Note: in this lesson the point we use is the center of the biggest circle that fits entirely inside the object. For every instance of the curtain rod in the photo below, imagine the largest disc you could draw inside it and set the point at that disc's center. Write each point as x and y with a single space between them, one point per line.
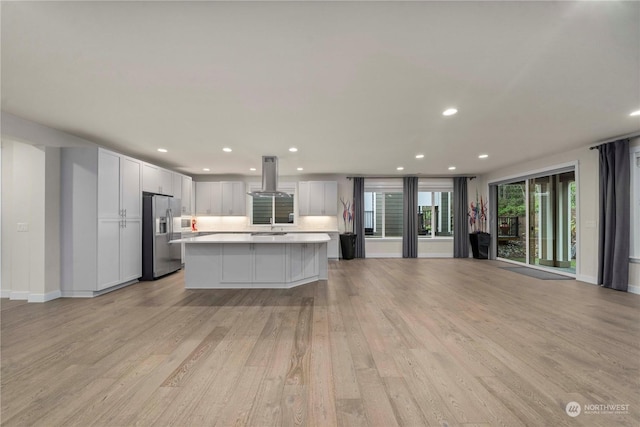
417 176
617 138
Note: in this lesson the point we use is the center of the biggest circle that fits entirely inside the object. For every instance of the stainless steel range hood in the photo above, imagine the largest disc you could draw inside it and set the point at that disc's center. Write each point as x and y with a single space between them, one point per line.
269 179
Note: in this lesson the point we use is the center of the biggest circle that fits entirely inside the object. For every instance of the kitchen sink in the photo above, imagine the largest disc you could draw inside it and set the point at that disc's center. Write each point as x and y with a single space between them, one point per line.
268 233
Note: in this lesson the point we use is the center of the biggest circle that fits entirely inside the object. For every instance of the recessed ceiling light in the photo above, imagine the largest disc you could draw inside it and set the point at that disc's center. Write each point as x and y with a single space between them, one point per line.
400 168
206 169
452 168
227 150
252 169
449 112
419 156
635 113
300 169
293 149
483 156
162 150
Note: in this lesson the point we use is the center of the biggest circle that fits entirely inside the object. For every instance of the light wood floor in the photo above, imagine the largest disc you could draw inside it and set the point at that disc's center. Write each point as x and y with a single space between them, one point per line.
382 343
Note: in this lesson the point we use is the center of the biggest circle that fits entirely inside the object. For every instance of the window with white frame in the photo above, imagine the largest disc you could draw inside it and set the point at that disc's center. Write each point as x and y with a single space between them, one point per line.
273 210
383 206
435 207
634 250
435 213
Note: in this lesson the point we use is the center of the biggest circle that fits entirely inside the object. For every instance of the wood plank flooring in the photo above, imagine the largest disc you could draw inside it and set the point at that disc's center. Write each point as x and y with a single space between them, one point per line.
420 342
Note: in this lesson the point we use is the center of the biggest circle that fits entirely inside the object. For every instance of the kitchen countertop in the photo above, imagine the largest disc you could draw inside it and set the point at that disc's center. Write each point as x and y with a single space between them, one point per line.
249 238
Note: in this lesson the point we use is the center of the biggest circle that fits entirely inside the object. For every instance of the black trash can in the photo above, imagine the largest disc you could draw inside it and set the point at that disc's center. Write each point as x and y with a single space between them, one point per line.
348 245
480 245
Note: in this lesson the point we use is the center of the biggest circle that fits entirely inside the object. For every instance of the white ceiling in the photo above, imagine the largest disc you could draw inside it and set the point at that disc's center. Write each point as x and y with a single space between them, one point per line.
359 88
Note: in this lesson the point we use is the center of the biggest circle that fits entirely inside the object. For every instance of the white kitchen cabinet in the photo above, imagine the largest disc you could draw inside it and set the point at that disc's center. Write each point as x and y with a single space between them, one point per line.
333 246
220 198
303 261
193 197
318 198
208 198
269 263
119 251
101 230
108 253
176 185
236 263
234 198
157 180
131 250
185 184
181 187
247 263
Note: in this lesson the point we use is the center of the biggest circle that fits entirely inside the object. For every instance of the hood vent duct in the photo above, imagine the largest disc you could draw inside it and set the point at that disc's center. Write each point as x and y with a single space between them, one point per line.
269 179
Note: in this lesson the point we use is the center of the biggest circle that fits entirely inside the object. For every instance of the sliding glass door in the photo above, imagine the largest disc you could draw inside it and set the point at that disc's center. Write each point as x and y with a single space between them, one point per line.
536 221
512 221
552 221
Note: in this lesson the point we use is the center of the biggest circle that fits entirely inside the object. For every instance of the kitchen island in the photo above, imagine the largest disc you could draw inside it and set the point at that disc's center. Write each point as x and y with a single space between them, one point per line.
258 260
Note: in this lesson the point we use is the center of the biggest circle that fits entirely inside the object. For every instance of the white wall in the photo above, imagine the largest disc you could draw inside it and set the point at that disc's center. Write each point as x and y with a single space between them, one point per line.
31 203
6 192
31 194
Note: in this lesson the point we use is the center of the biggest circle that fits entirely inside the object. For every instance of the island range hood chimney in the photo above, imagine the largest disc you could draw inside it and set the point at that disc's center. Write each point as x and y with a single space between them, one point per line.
269 179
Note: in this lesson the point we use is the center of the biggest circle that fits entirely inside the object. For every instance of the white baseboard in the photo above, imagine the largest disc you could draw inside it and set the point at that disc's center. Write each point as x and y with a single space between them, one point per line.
44 297
19 295
587 279
436 255
633 289
90 294
383 255
78 294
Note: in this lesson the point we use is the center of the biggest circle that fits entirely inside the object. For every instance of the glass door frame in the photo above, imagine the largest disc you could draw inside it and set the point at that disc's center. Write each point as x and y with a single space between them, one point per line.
527 176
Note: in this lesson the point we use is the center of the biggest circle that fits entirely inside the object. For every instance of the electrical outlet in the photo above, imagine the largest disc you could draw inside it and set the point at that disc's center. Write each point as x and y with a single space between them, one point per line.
23 227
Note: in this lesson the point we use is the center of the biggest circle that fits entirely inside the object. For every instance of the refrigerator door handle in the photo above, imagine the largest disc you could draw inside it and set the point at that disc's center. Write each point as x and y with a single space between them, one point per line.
170 227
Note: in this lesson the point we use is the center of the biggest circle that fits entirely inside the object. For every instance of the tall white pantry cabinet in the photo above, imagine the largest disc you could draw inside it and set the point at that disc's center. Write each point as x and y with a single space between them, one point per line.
101 220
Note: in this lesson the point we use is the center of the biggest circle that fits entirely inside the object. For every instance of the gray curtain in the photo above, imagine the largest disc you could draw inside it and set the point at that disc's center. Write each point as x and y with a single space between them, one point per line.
358 217
410 223
460 229
613 240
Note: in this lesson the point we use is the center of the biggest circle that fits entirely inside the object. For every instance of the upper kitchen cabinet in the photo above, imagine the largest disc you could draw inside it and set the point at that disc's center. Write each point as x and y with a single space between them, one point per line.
234 198
317 198
185 184
157 180
208 198
182 191
220 198
101 230
176 185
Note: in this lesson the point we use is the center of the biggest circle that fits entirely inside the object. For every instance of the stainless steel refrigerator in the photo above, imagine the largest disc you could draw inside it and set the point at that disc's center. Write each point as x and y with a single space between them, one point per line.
160 225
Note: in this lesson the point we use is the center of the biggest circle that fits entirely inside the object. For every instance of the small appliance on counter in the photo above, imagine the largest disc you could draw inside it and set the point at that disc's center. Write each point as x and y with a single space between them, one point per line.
159 227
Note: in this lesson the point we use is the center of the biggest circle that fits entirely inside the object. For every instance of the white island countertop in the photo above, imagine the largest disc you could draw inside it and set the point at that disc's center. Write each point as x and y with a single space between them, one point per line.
257 238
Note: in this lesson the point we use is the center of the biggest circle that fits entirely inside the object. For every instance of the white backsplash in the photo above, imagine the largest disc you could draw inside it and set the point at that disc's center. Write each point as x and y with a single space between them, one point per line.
242 223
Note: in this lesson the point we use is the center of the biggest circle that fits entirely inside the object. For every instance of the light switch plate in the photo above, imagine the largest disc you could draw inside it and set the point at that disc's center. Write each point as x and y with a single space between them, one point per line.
23 227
